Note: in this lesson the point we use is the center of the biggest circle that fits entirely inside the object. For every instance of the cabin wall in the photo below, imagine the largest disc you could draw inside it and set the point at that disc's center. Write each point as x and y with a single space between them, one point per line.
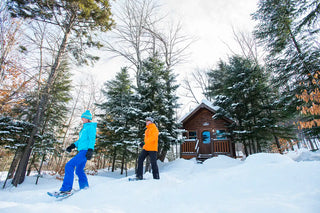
202 121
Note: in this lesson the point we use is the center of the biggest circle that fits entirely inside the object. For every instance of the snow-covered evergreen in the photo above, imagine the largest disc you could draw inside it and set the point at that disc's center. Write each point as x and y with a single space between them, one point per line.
117 126
241 89
157 98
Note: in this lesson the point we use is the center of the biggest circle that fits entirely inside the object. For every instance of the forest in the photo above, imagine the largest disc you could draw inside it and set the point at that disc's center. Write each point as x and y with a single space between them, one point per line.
270 90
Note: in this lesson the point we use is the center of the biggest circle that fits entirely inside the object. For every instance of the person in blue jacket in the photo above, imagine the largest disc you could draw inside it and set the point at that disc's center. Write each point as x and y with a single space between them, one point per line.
85 145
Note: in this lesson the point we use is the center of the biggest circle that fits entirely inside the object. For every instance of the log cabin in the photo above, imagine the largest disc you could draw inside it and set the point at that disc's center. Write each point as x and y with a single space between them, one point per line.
205 137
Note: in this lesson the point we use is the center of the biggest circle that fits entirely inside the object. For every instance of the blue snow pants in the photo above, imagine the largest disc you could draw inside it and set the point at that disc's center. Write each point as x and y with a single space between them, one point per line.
79 162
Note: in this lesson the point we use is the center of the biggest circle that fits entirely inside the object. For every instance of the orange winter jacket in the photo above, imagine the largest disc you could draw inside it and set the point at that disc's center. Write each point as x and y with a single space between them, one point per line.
151 138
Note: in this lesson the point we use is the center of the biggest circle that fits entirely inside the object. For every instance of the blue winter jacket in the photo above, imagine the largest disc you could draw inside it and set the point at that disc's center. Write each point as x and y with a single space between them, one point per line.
87 137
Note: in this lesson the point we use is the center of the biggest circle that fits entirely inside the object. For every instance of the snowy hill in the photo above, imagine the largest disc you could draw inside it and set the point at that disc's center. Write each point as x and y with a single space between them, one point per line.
264 183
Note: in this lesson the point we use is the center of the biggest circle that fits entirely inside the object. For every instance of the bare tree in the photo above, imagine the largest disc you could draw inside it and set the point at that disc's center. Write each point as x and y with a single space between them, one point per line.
13 76
10 31
196 86
190 93
172 45
199 81
248 45
138 35
129 39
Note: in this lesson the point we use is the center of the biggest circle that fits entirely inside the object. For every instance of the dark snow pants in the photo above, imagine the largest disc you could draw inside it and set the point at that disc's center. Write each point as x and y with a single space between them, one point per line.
153 160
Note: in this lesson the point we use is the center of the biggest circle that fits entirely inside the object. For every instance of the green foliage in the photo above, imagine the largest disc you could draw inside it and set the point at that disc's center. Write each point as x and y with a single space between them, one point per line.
76 16
95 14
157 98
117 128
241 89
122 123
56 111
289 31
13 133
275 27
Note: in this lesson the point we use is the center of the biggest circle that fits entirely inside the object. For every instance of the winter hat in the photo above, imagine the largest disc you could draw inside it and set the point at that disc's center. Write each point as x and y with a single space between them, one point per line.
87 115
150 119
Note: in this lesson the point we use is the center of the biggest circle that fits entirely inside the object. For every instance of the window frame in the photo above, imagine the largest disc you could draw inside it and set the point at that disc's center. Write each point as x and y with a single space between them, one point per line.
193 137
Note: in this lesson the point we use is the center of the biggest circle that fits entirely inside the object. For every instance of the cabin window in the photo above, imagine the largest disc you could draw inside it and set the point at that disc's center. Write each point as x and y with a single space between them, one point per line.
206 137
192 134
185 134
221 134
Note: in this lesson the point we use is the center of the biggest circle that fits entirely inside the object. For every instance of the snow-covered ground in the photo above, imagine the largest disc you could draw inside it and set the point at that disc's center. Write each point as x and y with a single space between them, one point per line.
263 183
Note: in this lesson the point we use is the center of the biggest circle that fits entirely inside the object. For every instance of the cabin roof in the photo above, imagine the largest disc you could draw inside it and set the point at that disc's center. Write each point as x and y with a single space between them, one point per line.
204 104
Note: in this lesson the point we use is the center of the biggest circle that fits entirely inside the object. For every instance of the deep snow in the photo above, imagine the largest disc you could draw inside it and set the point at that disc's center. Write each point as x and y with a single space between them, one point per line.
264 183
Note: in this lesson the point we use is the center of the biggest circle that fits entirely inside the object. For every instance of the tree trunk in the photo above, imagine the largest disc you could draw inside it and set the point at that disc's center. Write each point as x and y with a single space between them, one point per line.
31 163
297 46
114 159
21 171
278 144
39 172
104 161
148 165
259 147
254 148
245 149
123 159
316 145
291 145
177 152
14 164
311 144
250 147
137 156
162 155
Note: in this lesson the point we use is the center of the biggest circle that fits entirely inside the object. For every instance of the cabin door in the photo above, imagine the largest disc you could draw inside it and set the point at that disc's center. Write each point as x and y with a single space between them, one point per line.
205 143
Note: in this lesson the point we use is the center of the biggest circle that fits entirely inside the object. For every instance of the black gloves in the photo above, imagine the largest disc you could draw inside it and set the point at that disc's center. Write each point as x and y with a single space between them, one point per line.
89 154
141 144
71 147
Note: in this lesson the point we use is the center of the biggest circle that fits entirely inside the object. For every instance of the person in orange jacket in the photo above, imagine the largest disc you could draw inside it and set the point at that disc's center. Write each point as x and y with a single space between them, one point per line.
149 147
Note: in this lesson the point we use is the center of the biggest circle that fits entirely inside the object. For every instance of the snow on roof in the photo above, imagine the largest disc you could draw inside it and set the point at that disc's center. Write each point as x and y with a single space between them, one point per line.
209 104
205 102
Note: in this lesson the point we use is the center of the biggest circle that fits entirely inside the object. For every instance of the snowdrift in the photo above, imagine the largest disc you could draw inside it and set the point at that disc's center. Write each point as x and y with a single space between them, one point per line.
262 183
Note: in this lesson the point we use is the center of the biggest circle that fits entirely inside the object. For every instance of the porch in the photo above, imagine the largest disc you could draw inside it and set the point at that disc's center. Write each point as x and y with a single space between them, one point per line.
191 148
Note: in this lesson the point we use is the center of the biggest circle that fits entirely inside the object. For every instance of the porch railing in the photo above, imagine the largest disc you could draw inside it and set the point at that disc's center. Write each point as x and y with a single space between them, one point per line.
221 147
189 146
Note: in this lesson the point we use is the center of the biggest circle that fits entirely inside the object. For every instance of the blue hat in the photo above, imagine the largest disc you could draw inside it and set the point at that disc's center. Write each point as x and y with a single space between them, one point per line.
87 115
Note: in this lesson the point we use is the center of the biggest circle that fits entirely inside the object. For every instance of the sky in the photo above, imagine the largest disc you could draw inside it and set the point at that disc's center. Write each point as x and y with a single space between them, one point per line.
261 183
210 22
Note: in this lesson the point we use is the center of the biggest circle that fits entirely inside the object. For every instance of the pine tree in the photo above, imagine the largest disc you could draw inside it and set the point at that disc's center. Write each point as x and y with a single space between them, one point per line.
117 126
46 141
49 141
156 96
240 89
289 31
14 136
